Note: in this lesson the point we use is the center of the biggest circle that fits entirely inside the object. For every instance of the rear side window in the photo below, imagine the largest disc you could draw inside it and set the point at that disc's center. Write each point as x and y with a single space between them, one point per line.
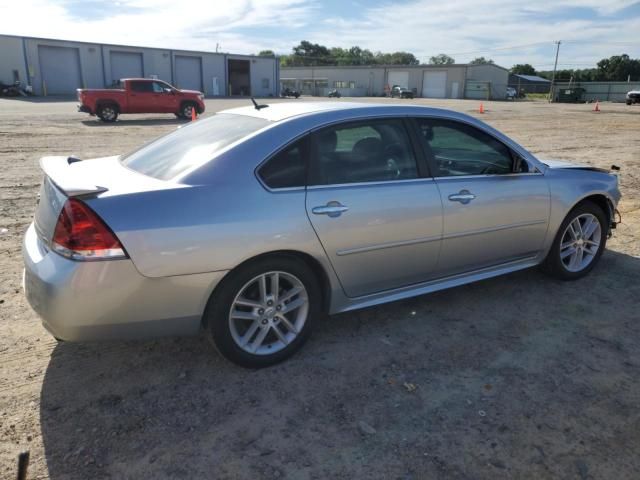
286 169
192 145
369 151
142 86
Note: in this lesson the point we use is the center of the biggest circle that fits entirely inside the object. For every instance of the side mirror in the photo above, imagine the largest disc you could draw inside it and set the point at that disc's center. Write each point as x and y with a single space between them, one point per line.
168 90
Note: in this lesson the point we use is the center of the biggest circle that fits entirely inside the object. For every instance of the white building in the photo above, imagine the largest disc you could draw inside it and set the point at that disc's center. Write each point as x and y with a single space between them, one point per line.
58 67
432 81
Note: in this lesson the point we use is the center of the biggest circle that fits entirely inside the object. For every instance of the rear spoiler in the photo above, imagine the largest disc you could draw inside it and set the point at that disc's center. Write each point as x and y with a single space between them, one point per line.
62 174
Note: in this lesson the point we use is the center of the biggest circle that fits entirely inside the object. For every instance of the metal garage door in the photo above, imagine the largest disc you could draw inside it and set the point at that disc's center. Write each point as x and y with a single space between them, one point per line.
398 78
434 85
60 69
189 72
126 65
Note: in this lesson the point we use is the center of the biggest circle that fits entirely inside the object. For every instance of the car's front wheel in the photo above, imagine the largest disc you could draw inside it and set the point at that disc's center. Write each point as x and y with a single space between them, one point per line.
579 242
264 311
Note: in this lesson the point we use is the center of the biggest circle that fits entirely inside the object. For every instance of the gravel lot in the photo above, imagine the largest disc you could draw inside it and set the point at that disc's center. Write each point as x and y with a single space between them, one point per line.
516 377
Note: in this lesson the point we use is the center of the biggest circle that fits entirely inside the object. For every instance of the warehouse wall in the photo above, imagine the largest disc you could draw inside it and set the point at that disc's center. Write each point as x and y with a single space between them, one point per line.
12 58
371 81
94 63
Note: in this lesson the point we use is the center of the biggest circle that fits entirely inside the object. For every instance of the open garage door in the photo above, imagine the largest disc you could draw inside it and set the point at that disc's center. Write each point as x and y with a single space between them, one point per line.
126 65
189 72
434 85
239 77
398 78
60 69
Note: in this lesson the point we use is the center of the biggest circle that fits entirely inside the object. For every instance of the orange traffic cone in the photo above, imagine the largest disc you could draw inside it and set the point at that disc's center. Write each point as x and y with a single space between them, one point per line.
481 108
194 115
597 107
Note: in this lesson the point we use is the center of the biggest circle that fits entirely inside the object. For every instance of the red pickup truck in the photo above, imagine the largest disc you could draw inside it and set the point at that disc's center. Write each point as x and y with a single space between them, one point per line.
139 95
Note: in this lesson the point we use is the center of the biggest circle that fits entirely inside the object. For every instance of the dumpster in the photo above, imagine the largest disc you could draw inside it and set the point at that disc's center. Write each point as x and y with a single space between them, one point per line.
569 95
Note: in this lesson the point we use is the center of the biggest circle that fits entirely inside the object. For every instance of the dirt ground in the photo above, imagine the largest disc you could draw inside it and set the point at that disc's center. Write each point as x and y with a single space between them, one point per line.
516 377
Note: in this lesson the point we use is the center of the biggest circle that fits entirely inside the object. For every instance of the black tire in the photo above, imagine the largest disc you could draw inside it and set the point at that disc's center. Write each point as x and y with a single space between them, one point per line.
185 110
553 264
629 102
108 113
216 316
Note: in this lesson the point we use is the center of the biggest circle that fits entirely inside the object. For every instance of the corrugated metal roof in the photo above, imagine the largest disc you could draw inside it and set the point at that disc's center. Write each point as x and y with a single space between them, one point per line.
532 78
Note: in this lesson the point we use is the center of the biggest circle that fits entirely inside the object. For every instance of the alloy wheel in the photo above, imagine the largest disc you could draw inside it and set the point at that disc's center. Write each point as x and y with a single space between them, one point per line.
268 313
580 242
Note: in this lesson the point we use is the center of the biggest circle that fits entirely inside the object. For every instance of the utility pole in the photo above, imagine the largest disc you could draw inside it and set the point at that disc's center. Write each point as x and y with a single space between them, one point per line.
553 77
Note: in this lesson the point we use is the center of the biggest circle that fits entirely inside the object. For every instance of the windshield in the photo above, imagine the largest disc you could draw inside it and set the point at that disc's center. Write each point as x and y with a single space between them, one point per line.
191 145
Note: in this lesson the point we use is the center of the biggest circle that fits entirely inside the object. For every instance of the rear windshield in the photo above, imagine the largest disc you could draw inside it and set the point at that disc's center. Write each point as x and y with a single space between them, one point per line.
191 145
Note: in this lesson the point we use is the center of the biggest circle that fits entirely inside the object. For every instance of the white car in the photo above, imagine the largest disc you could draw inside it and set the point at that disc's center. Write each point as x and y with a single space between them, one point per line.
511 94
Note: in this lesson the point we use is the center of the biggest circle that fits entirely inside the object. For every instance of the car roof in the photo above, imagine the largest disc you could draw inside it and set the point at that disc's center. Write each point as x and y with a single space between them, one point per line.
285 110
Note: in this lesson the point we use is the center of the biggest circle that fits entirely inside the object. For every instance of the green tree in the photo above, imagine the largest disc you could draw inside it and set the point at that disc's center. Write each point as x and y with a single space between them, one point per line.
481 61
441 59
618 68
523 69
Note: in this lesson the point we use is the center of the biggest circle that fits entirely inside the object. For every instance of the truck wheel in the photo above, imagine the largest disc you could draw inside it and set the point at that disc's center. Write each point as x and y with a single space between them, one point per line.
185 110
107 113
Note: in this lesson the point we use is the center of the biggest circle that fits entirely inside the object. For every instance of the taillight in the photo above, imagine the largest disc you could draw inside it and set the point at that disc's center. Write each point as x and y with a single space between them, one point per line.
81 235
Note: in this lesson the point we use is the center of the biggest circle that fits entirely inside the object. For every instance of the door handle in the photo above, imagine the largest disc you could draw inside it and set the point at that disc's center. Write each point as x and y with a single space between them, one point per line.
463 196
333 209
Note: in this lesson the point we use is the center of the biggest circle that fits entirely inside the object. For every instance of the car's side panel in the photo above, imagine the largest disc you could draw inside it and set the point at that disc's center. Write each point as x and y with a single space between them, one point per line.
570 186
207 228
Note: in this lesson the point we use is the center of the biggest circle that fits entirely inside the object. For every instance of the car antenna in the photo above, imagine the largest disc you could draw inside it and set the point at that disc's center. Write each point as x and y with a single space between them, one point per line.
255 104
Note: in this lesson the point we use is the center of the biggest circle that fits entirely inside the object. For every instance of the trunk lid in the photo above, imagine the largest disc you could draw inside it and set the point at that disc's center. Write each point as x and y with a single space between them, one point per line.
88 179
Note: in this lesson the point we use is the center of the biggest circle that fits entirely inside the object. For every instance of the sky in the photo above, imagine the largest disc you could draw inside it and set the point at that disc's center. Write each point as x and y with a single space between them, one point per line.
507 32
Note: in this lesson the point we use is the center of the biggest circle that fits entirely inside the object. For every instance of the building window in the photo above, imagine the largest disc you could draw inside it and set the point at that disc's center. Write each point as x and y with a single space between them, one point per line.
343 84
265 83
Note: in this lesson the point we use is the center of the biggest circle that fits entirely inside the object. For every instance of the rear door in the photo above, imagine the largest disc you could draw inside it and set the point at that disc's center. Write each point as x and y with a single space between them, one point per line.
494 211
375 211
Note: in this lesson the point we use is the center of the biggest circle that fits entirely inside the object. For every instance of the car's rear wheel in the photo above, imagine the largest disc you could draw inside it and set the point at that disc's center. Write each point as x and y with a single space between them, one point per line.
263 312
107 113
579 242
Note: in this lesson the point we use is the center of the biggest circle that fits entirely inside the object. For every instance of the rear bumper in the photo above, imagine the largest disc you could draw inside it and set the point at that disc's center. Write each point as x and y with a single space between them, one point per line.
85 109
102 300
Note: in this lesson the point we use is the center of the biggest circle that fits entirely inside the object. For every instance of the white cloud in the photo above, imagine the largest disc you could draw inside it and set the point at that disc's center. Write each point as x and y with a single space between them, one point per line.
468 28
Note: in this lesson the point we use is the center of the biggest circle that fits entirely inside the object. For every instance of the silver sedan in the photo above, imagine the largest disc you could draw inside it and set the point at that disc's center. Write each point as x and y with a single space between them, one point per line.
251 224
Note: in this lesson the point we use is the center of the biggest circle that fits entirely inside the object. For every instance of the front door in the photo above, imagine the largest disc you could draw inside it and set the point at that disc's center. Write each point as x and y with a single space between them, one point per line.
142 97
165 97
378 219
495 209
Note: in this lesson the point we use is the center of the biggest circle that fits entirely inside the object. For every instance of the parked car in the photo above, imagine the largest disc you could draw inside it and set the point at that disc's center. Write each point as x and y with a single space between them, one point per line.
252 223
511 94
289 92
633 97
334 93
401 92
139 95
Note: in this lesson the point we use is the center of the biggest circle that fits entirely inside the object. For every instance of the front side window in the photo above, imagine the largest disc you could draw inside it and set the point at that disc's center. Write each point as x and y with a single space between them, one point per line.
192 145
458 149
286 169
159 87
372 151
